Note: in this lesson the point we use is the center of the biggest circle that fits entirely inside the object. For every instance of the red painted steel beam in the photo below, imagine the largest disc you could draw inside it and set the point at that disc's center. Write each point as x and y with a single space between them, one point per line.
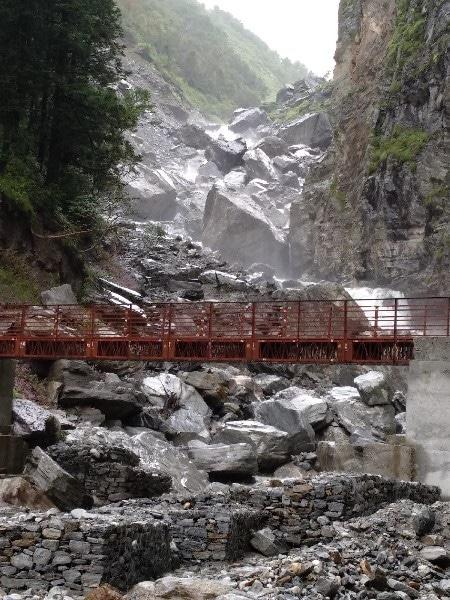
322 332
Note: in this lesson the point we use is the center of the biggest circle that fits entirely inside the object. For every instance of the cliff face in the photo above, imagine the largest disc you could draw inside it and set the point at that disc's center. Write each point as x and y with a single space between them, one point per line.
377 207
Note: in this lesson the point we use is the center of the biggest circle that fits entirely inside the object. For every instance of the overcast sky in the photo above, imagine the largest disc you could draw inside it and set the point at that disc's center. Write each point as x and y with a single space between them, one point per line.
304 30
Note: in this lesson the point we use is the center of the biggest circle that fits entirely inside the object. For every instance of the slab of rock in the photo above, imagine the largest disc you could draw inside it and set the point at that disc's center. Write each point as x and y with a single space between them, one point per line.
60 487
258 165
272 446
313 409
60 295
227 155
34 423
265 542
313 130
273 146
228 460
249 118
152 194
220 278
213 383
354 416
271 384
194 136
236 225
372 388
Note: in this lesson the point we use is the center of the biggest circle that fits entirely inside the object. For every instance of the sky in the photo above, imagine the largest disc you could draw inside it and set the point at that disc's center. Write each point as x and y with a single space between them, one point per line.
304 30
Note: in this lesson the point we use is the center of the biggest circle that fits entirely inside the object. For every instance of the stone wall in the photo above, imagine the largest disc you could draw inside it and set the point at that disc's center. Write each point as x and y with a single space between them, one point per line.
44 550
131 541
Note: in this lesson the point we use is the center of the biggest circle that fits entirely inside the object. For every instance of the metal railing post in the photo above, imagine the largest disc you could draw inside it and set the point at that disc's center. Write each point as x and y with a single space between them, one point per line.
395 354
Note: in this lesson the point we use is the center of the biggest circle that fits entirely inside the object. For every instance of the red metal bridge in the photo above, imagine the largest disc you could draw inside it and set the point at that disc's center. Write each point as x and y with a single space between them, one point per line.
340 331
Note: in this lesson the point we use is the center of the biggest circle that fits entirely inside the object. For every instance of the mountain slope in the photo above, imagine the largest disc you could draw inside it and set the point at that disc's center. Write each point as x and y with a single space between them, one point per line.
217 64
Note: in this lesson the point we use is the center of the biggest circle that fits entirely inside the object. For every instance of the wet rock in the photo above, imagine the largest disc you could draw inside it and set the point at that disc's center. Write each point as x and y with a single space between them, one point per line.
60 295
60 487
248 119
194 136
265 542
227 460
271 445
227 155
372 388
34 423
313 130
273 146
258 165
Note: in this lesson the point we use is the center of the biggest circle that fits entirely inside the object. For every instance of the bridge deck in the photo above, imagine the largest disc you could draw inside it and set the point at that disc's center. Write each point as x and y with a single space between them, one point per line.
340 331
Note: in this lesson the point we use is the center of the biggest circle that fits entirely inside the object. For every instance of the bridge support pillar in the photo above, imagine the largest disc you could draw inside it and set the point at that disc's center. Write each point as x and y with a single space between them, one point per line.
12 448
428 411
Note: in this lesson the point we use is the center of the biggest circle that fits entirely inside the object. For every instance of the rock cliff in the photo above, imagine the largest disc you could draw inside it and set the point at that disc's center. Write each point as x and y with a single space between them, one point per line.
376 208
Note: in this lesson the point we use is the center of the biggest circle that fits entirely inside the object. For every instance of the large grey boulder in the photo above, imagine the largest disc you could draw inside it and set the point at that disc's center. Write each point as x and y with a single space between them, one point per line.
272 446
179 588
213 383
355 416
222 279
313 130
273 146
248 119
34 423
258 165
312 408
82 386
194 136
237 226
60 487
227 460
17 491
286 416
227 155
60 295
372 387
152 194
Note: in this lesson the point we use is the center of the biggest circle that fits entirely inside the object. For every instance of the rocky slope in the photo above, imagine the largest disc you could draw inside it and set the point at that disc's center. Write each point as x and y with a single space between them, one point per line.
377 207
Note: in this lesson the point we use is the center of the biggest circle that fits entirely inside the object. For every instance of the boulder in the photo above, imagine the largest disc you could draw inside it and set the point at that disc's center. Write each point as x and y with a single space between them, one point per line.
17 491
234 180
435 554
220 278
34 423
60 487
227 155
424 521
60 295
213 384
265 542
372 387
313 130
155 454
286 164
271 384
237 226
313 409
272 446
286 416
247 119
152 194
208 171
289 471
226 460
273 146
258 165
194 136
355 416
179 588
400 422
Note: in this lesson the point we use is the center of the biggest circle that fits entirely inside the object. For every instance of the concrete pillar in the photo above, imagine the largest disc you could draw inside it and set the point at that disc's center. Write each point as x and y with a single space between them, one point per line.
428 411
7 376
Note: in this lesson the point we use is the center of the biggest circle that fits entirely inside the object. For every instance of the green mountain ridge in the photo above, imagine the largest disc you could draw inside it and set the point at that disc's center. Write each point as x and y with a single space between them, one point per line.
217 64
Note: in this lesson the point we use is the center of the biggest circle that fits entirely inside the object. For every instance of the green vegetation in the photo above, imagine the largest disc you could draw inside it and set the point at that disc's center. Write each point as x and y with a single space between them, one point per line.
63 149
437 199
338 194
18 280
407 41
402 146
215 62
319 101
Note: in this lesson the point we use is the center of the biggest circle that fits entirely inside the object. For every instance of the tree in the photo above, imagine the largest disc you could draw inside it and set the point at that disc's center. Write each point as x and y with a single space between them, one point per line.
63 148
